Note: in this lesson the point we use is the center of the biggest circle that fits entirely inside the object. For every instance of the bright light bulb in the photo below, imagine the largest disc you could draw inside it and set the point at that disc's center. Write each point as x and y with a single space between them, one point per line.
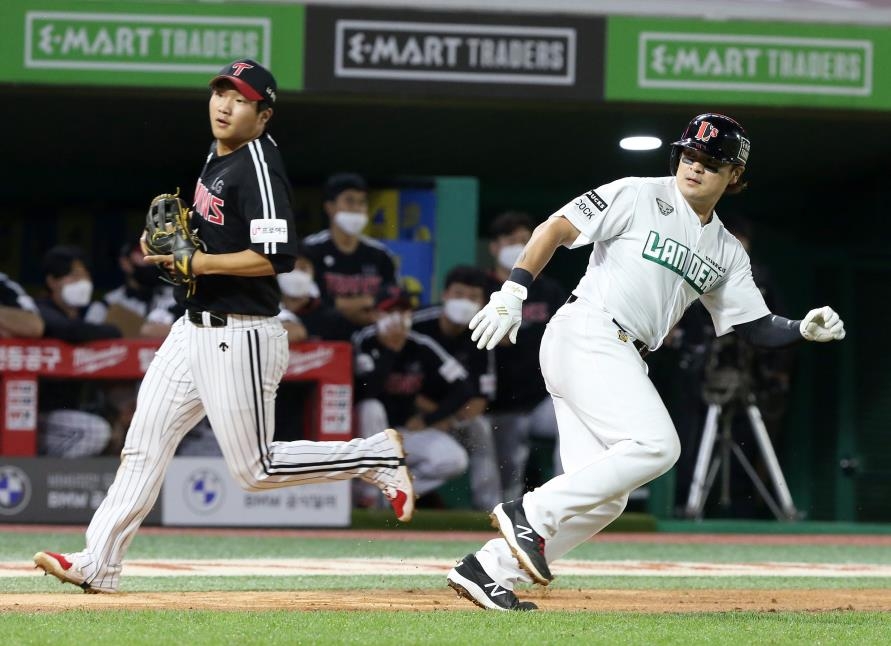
640 143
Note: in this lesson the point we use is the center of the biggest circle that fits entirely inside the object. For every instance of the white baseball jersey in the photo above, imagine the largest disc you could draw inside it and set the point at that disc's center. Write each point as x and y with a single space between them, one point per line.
652 258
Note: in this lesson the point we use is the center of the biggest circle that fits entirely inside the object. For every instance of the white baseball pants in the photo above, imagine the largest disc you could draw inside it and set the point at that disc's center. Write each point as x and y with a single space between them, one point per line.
615 435
230 374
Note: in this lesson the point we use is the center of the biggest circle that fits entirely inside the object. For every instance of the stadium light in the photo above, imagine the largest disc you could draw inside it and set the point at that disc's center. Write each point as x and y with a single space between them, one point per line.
640 143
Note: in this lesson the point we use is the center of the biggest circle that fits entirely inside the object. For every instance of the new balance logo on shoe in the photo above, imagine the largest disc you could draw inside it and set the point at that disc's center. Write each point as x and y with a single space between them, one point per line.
525 533
496 590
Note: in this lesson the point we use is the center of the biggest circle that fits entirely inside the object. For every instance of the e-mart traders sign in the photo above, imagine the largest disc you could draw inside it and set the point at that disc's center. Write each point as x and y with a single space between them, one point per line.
754 63
148 44
466 54
454 52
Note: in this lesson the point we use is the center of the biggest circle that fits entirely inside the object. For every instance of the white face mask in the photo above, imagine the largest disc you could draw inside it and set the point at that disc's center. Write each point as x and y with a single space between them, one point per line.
297 284
392 319
460 310
350 223
508 255
78 293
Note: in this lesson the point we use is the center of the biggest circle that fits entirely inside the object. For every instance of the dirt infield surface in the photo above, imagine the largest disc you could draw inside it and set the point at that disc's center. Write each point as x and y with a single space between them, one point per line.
650 601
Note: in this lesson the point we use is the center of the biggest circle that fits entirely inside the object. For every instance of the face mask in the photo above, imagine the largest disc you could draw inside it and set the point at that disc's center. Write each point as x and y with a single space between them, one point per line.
508 255
460 310
78 293
388 321
297 284
350 223
146 276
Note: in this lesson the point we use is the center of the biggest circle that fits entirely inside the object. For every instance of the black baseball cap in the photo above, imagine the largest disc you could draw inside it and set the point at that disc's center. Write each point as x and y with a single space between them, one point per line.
250 78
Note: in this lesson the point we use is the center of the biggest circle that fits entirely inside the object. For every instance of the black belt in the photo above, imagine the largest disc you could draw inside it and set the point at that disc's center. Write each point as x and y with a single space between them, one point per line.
640 346
215 319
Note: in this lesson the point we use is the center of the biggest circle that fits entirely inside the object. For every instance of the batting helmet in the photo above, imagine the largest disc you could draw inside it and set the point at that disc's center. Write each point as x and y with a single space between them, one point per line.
717 136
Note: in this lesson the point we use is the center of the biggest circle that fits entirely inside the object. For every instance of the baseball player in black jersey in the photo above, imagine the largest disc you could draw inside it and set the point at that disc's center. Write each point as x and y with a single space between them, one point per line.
226 355
522 408
350 268
409 380
464 291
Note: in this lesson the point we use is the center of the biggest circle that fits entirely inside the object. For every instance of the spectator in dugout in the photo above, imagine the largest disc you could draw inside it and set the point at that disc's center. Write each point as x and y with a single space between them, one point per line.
465 292
350 268
72 419
522 408
69 288
303 315
407 380
128 305
19 316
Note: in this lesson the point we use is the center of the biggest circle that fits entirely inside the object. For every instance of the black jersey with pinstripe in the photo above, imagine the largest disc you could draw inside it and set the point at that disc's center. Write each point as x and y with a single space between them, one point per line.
238 199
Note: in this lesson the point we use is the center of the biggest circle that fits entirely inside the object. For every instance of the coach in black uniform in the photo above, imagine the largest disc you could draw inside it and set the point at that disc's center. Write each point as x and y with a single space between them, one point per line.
464 292
351 269
226 355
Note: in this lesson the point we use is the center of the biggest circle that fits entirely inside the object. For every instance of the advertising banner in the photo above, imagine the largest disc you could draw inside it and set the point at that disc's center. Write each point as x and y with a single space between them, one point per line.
146 44
382 51
55 490
199 492
755 63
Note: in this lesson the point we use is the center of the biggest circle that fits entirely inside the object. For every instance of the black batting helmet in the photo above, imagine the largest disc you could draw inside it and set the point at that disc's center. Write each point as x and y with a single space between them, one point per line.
717 136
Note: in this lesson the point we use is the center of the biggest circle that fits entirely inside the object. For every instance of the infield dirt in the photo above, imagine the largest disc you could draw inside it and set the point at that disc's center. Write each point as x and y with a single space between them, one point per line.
648 601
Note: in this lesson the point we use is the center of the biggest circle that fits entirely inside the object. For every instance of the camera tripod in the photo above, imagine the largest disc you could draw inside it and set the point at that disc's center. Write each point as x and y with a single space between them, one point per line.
726 390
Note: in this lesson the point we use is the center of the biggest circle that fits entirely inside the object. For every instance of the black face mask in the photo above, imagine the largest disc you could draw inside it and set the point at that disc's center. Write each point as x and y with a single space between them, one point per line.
147 276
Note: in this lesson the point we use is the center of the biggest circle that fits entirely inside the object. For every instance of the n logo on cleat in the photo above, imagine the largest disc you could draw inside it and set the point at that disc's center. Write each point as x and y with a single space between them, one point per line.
496 590
525 533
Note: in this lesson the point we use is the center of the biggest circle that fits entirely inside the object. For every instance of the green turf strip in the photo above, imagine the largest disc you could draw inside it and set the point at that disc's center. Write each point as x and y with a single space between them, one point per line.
43 584
20 547
461 627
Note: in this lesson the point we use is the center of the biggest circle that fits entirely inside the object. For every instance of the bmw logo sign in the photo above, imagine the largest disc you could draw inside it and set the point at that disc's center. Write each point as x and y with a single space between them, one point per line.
204 491
15 490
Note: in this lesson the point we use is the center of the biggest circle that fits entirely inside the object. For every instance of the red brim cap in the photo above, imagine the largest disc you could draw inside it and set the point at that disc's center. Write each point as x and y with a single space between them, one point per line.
241 85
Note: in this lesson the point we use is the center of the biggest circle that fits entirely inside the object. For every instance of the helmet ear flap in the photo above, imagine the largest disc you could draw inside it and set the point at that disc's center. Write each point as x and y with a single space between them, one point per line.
674 160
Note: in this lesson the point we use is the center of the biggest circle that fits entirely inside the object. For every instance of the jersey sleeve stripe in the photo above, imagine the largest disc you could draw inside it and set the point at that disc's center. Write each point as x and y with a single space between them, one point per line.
256 154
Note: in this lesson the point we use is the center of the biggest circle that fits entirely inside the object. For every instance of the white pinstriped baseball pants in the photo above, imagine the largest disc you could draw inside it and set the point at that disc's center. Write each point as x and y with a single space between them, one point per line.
230 374
615 435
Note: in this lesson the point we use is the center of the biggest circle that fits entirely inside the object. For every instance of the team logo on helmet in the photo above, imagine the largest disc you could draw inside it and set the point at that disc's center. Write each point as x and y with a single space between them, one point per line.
706 131
744 145
15 490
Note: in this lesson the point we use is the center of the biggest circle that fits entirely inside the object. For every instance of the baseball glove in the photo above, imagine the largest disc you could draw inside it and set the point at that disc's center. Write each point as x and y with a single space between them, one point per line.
168 232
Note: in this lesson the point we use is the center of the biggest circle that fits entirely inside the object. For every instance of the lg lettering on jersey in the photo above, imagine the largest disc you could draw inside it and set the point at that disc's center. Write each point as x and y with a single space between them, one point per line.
208 205
706 131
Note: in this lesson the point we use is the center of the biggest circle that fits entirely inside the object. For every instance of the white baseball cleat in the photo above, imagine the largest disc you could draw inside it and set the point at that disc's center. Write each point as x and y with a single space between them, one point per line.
63 569
395 481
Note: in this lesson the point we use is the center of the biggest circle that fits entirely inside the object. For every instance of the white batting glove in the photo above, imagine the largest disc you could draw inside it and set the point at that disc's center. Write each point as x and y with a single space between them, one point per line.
822 324
501 316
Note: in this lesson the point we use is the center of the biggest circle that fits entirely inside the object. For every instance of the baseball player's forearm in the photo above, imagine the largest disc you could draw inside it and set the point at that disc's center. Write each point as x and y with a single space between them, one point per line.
770 331
16 322
547 237
241 263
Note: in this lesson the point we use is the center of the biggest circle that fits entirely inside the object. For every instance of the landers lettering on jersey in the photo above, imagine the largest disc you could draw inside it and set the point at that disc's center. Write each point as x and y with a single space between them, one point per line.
679 259
208 205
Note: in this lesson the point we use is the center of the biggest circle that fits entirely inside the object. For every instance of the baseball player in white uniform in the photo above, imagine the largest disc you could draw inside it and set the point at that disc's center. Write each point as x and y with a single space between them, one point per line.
226 355
658 245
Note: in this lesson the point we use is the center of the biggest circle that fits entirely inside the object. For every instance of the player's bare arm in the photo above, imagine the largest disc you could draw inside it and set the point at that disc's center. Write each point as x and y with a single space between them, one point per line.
242 263
502 316
15 322
546 238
